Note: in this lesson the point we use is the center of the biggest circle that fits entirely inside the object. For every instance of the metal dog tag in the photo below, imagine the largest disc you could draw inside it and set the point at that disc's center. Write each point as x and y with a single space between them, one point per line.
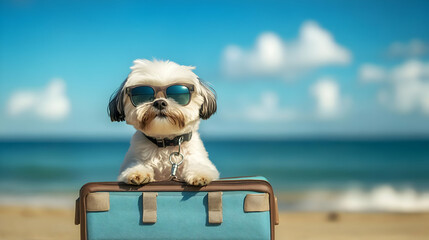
175 165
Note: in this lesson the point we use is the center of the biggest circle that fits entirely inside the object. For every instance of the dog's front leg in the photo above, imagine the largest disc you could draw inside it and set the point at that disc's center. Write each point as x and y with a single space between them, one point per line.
199 171
137 174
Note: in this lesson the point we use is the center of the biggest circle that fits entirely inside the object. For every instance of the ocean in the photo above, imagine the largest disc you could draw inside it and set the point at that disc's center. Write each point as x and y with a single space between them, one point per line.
307 175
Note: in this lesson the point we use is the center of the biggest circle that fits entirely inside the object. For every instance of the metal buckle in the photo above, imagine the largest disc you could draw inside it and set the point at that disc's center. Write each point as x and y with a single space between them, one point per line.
160 143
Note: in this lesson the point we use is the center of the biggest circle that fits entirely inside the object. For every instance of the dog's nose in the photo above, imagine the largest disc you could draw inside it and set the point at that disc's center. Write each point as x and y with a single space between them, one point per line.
160 104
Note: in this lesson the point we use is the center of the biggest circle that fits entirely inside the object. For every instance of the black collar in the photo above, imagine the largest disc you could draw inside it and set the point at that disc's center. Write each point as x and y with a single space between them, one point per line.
166 142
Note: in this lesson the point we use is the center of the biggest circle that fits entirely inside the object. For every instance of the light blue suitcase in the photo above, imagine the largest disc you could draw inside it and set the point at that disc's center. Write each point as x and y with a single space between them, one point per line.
233 208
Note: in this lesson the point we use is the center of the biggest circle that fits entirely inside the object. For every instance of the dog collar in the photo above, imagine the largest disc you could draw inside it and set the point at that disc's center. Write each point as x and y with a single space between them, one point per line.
165 142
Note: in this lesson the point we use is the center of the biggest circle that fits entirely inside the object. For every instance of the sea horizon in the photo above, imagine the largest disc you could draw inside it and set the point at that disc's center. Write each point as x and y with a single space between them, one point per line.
209 137
307 174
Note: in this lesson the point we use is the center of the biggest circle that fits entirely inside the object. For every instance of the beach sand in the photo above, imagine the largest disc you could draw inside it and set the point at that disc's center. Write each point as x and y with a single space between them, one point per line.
43 223
368 226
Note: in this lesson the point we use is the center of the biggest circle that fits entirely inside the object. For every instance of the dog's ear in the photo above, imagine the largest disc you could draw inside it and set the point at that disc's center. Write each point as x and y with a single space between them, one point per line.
116 104
209 105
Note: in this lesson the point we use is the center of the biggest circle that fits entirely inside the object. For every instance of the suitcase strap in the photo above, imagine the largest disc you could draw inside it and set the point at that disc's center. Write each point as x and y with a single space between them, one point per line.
149 207
214 207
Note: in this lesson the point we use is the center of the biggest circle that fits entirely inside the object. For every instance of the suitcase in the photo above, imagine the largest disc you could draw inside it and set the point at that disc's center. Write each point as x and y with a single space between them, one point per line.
232 208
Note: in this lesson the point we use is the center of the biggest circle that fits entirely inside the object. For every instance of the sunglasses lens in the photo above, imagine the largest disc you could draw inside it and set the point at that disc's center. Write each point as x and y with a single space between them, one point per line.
179 93
141 95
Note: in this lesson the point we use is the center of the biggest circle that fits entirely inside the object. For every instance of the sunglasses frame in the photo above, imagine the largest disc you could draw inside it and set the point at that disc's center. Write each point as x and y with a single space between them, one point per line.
162 89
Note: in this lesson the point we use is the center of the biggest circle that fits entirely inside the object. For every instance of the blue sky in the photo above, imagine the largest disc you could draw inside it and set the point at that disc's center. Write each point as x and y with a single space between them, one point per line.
280 69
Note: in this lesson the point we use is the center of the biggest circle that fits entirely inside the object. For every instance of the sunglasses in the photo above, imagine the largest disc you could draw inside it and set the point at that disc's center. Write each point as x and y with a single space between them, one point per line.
181 93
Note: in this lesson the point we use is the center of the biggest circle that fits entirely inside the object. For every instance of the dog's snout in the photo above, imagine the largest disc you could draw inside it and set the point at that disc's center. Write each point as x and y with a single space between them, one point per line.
160 104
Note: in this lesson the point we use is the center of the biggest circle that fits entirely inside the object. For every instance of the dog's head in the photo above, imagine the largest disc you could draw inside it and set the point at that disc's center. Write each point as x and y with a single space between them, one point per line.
162 98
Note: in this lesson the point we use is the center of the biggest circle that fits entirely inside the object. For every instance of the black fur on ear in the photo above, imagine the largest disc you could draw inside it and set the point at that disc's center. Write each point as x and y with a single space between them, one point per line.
116 104
209 105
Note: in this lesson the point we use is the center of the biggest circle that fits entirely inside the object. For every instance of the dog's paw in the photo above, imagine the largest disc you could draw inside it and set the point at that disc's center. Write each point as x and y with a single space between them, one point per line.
137 175
200 175
138 178
198 180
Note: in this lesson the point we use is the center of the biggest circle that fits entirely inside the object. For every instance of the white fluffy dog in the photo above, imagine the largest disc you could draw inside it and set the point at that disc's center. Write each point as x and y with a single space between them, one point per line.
164 102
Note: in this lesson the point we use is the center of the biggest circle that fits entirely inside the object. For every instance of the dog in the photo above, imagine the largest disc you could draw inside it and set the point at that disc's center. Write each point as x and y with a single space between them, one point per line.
164 101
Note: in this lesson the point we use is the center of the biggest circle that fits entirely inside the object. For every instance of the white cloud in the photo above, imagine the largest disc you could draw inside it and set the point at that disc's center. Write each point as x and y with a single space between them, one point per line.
372 73
314 48
408 87
268 110
413 48
50 103
328 98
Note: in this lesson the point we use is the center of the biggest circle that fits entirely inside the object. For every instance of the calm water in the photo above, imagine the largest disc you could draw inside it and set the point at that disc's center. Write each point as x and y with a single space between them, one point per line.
299 167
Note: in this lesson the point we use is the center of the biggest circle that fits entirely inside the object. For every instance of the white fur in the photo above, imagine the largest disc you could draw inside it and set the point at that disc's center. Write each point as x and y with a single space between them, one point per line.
144 161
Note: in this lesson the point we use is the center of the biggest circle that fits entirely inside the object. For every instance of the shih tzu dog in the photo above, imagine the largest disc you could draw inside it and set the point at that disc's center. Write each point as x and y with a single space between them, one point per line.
164 101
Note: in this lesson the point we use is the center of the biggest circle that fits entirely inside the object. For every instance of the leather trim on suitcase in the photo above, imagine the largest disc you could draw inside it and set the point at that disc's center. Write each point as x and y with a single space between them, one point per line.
215 207
257 202
149 207
97 202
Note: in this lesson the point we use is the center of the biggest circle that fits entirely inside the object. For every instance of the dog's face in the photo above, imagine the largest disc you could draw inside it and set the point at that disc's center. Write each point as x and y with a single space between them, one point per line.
162 115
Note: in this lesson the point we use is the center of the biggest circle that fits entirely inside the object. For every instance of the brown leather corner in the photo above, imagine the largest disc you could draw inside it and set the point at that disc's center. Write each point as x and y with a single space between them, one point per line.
257 202
98 202
77 213
276 212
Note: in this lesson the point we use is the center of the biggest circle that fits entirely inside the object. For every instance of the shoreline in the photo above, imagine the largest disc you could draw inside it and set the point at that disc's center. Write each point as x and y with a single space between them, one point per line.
33 222
380 199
